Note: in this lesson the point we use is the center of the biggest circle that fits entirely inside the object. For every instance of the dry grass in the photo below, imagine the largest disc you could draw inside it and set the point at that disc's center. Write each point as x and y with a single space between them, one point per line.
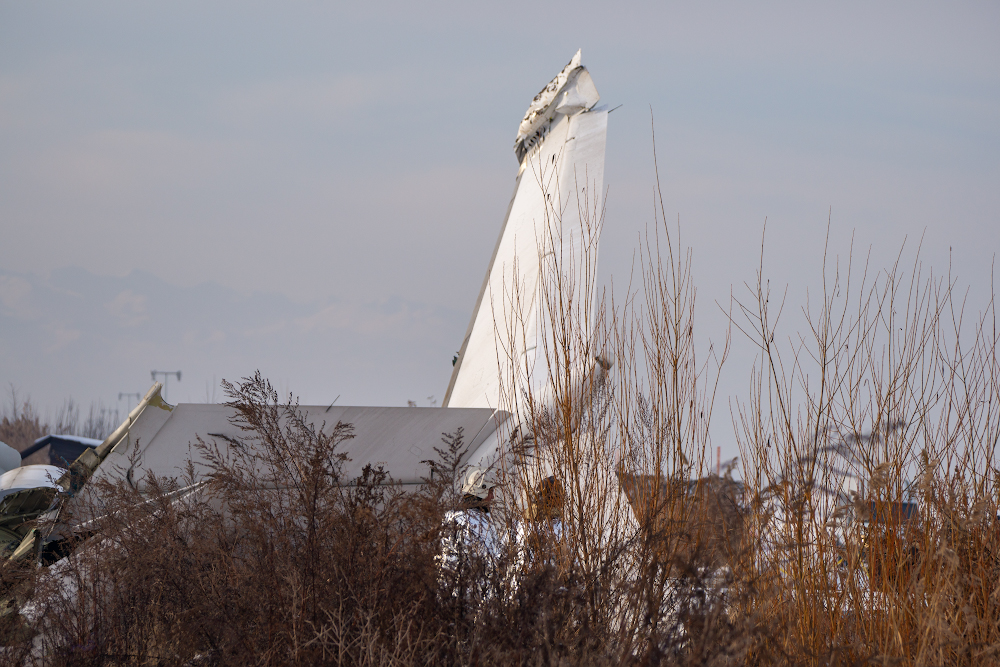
890 397
620 546
21 425
275 560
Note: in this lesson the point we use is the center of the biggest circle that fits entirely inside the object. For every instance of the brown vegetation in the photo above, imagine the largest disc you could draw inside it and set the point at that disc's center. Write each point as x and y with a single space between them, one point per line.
864 529
275 560
22 425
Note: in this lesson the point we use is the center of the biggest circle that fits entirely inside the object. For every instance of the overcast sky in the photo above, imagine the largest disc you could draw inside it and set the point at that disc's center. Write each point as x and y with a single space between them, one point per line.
316 192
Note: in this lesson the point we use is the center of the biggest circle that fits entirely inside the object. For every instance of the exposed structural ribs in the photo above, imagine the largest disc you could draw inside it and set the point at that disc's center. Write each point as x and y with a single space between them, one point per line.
570 92
552 221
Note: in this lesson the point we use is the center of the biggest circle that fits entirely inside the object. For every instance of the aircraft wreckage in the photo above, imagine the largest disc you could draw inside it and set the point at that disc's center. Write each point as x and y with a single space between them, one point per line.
502 373
560 148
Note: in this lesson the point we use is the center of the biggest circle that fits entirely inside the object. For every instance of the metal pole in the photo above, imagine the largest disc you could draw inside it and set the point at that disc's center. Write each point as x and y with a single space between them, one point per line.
166 378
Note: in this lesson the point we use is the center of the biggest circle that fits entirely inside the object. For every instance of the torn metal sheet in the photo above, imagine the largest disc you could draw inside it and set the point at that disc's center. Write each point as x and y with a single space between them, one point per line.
569 93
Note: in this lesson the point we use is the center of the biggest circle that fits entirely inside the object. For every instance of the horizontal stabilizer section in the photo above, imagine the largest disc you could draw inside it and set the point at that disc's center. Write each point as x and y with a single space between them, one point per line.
399 439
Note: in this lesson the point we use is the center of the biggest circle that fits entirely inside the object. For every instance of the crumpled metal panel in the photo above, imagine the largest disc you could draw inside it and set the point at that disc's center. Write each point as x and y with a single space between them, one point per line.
569 92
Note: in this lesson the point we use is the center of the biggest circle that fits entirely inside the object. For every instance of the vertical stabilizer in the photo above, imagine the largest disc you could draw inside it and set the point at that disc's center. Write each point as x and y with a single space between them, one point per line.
555 211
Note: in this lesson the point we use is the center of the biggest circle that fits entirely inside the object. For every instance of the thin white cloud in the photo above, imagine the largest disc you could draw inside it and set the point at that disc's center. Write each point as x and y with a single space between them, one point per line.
195 338
325 99
267 330
61 335
128 165
367 319
128 308
15 295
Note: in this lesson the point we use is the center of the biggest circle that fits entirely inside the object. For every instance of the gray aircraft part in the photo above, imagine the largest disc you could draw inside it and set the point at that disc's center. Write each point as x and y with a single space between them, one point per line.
400 439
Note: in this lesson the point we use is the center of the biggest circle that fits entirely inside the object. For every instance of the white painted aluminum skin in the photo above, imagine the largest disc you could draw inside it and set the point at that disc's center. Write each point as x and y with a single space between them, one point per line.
561 146
30 477
400 439
561 143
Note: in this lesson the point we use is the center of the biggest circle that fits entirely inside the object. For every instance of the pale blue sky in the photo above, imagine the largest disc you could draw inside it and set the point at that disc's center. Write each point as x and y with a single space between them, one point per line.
323 187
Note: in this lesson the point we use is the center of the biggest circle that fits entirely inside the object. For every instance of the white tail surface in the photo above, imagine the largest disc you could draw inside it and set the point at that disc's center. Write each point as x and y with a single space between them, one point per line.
552 222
